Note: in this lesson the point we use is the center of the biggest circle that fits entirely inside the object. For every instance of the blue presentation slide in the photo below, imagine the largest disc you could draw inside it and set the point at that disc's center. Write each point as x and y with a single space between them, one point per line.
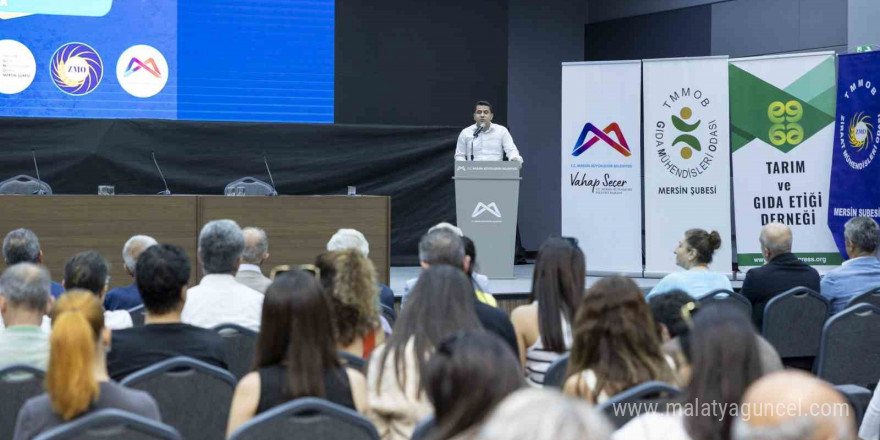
206 60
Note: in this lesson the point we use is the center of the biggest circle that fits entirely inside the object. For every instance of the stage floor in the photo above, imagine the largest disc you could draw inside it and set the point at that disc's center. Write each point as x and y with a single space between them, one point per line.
521 285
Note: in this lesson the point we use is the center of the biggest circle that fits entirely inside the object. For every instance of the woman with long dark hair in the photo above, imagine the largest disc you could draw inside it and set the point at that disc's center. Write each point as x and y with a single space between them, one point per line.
725 361
441 303
616 345
296 353
462 363
543 327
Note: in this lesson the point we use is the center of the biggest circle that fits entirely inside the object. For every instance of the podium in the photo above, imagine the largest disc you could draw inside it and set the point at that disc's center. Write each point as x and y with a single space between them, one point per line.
486 204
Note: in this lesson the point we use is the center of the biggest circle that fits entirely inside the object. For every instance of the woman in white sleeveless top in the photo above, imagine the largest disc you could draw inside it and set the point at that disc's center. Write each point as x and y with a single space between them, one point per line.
543 329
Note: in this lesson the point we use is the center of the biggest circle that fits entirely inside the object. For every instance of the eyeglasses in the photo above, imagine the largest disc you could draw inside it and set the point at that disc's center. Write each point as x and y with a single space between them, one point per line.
310 268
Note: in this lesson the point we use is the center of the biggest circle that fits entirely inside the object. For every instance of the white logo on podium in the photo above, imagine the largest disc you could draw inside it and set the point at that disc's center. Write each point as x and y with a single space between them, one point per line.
491 208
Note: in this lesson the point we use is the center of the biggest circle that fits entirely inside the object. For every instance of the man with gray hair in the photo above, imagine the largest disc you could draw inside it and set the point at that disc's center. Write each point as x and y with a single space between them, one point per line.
125 298
793 405
782 270
219 299
22 246
256 252
353 239
24 300
861 271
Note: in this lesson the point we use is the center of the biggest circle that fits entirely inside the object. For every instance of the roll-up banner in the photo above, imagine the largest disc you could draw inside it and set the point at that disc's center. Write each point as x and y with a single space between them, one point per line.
855 171
687 158
781 118
601 163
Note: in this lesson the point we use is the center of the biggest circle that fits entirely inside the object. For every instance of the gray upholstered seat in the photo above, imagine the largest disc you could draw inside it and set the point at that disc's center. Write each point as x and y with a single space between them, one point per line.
18 383
423 429
24 184
871 296
241 345
850 346
793 322
728 298
555 375
138 315
111 424
308 418
858 397
660 393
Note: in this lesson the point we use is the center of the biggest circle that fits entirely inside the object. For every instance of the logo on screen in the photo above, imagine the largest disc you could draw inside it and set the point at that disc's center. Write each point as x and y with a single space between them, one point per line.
491 208
142 71
17 67
589 129
76 69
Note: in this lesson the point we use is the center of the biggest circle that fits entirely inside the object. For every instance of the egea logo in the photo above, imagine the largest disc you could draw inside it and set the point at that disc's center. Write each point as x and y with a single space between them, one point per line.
620 145
142 71
491 208
76 69
857 139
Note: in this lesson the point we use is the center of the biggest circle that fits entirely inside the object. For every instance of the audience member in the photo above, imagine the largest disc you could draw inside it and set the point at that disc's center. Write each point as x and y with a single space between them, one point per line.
870 429
162 275
77 380
481 282
694 254
448 226
781 271
726 360
349 279
666 311
793 405
543 327
616 345
462 363
353 239
442 303
296 354
533 414
90 271
24 301
444 247
861 271
219 299
256 252
128 297
22 246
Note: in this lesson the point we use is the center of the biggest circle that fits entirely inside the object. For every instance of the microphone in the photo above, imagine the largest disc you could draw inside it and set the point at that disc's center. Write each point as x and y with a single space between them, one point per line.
480 128
167 191
274 191
40 191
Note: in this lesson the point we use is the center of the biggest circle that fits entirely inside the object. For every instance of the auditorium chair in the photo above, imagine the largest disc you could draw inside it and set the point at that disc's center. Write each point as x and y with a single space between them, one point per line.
423 429
24 184
18 383
241 345
193 397
252 187
858 398
356 362
652 392
138 315
111 424
555 375
850 347
307 418
871 296
728 298
793 322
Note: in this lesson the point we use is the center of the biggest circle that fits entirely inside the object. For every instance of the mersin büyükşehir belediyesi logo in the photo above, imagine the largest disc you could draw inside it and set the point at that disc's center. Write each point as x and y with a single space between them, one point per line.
76 69
620 145
142 71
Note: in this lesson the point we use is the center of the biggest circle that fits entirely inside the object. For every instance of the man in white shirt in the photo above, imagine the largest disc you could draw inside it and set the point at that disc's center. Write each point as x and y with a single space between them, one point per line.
484 140
256 251
219 299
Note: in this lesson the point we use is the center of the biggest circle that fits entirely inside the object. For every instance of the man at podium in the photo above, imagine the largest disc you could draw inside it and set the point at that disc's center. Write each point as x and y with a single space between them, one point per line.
484 140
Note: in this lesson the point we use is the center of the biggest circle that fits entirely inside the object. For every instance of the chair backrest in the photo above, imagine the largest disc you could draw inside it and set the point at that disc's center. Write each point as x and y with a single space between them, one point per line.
24 184
193 397
353 361
793 322
660 393
18 383
728 299
423 429
252 187
555 375
241 345
307 418
850 346
111 424
138 315
871 296
858 398
389 314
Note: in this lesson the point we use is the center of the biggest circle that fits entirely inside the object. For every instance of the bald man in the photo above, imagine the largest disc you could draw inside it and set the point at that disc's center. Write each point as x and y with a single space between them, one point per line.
781 271
256 252
793 405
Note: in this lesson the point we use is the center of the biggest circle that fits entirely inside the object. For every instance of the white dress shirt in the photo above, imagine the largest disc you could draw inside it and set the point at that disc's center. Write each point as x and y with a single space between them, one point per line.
219 299
488 145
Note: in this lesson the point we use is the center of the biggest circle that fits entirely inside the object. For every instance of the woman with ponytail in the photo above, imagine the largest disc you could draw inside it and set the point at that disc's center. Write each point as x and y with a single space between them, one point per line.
694 254
76 380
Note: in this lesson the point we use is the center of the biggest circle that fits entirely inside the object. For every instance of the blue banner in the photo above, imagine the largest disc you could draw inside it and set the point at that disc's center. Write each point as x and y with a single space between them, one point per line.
855 167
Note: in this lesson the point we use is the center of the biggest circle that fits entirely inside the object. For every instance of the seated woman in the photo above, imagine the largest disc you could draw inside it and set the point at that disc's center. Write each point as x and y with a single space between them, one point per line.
726 359
441 303
296 354
616 345
76 380
694 254
462 363
481 282
349 279
543 327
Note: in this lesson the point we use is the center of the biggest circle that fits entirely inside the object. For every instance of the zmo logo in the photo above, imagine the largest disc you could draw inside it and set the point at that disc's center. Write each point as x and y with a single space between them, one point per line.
491 208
